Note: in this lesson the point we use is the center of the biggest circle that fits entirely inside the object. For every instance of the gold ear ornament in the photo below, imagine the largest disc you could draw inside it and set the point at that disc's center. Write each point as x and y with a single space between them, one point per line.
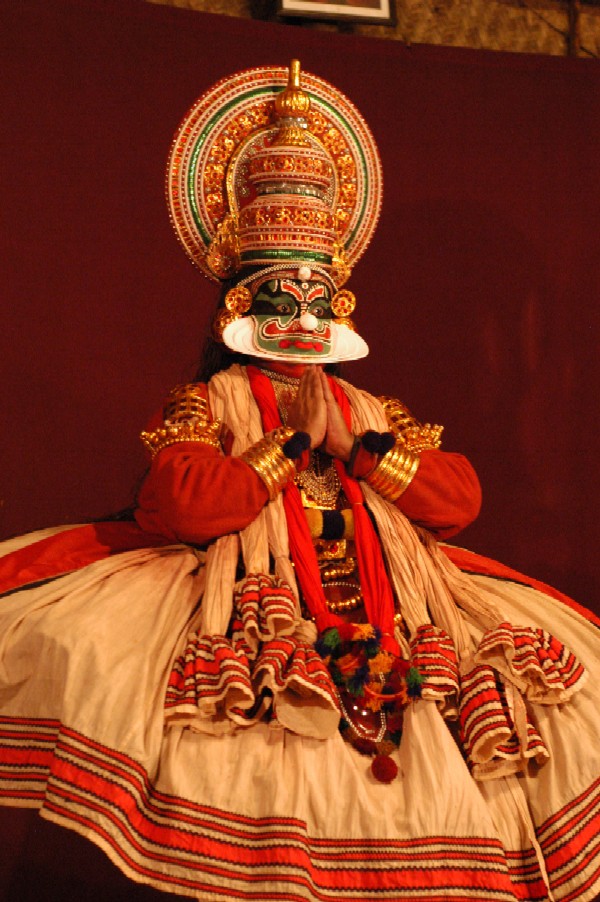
343 303
238 300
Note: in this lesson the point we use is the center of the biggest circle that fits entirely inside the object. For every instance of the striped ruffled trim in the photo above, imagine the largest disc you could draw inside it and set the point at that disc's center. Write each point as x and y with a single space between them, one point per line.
496 731
210 684
536 662
220 682
304 696
434 656
266 607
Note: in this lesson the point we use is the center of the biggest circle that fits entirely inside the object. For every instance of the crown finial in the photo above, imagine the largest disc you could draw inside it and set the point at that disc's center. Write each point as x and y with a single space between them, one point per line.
291 108
292 102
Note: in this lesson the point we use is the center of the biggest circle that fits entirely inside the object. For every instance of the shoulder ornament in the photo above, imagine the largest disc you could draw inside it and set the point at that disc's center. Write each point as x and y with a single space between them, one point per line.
187 418
412 434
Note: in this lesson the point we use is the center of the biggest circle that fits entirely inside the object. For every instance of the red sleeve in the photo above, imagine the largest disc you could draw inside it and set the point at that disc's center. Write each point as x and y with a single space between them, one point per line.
444 496
194 494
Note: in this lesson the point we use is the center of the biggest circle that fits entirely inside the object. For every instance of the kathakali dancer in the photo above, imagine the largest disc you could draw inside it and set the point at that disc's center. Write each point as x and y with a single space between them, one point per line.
276 683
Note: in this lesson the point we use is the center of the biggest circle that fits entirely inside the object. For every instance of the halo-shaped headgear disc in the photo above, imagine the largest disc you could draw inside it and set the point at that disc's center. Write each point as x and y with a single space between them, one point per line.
222 150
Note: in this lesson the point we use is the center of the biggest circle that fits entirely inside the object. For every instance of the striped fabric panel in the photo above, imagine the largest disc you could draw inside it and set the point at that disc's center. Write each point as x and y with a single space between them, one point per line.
488 732
534 748
484 718
524 869
570 842
266 607
180 846
537 661
286 663
26 748
434 656
554 655
210 672
239 640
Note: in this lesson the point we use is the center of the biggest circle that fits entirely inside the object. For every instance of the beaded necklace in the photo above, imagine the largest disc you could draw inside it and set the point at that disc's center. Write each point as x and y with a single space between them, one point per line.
361 729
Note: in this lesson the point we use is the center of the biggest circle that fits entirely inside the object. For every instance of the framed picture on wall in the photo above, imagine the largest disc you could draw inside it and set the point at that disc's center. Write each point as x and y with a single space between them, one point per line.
376 11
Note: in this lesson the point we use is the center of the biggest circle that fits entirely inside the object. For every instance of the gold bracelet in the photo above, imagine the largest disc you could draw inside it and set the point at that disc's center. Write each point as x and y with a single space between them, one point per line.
266 458
281 435
394 472
192 430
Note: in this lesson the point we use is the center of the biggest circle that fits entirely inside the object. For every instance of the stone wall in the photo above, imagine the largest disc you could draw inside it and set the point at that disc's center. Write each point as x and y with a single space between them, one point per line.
526 26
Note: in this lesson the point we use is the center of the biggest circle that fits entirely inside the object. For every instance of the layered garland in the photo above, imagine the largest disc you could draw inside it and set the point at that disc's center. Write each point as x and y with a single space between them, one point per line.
373 686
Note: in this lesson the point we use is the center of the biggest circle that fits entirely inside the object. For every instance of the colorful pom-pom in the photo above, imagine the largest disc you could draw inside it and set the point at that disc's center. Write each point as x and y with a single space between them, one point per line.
299 442
414 681
371 441
387 442
346 631
381 662
356 681
331 639
377 442
365 631
384 768
372 647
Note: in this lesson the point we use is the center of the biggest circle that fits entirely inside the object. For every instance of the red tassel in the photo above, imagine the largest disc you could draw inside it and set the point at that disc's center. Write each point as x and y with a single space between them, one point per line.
384 768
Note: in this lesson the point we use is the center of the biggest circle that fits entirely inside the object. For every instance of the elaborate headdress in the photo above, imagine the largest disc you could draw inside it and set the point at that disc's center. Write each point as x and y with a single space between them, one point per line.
272 175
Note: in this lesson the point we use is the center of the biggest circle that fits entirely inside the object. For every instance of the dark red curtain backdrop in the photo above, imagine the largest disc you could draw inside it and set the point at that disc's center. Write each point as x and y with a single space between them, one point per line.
479 295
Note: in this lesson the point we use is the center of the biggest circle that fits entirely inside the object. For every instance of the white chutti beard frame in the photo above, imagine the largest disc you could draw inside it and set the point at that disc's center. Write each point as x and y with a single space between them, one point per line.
345 344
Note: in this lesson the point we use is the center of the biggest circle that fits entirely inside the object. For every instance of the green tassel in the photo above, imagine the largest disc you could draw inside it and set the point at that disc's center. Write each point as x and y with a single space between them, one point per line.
331 639
414 681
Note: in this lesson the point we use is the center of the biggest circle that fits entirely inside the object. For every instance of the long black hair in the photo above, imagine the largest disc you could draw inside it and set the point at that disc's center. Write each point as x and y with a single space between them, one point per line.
215 356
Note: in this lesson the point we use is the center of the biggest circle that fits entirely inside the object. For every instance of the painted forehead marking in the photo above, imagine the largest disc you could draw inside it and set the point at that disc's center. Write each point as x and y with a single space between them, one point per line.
317 291
306 292
292 288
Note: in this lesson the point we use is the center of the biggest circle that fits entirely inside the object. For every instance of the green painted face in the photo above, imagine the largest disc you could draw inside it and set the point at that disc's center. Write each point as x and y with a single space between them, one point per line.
292 318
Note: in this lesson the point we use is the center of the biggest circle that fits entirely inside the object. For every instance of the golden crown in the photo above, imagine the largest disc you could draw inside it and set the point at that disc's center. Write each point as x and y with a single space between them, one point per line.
270 166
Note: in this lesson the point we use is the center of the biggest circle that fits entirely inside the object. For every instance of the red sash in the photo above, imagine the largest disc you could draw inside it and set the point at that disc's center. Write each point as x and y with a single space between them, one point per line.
376 590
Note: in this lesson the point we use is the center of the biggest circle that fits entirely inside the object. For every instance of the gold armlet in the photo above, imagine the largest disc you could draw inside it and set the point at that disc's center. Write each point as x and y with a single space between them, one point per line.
184 431
266 458
187 418
394 472
415 436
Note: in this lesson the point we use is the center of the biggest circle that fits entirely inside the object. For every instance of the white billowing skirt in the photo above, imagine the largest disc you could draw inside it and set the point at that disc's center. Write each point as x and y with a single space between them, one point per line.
261 813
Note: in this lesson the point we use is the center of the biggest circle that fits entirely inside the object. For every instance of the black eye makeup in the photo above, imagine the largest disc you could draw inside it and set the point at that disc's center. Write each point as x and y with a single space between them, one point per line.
267 305
320 309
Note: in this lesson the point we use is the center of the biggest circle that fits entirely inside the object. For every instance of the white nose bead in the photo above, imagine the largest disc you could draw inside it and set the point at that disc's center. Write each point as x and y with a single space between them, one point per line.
309 322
